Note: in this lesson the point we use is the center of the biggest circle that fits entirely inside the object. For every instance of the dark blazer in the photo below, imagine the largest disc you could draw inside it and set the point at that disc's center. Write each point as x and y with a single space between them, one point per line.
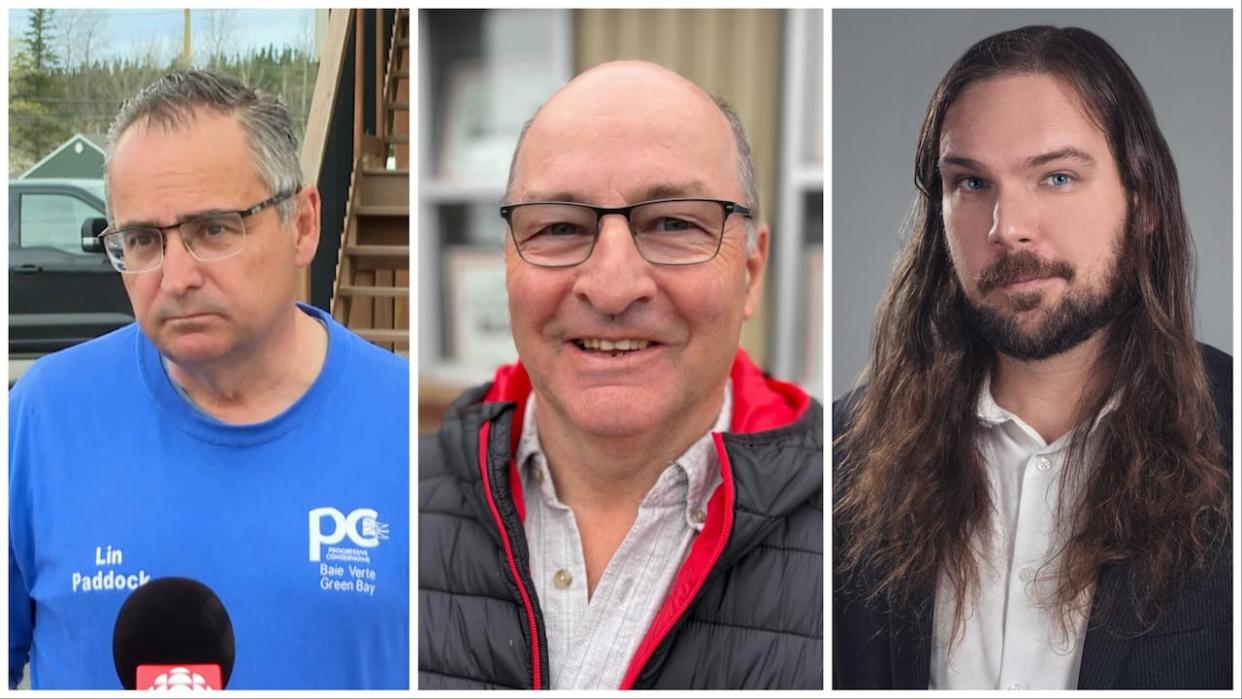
875 648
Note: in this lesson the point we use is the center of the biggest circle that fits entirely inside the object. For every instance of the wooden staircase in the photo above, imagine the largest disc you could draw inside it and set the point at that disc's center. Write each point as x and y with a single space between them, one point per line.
371 294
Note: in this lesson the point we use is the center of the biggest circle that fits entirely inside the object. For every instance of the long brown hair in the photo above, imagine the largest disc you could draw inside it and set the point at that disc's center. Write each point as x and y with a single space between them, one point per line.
1153 488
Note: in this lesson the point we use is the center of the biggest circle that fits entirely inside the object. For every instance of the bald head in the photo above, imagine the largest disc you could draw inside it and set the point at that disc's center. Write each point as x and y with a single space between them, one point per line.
618 105
637 87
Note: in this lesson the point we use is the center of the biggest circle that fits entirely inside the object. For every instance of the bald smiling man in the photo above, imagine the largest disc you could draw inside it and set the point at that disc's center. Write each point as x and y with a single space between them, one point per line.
633 504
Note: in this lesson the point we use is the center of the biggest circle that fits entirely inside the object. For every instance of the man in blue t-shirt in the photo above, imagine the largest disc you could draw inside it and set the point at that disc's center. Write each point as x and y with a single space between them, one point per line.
231 436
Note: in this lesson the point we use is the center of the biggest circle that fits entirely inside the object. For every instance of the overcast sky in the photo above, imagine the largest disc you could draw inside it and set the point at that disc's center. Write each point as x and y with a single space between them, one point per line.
133 33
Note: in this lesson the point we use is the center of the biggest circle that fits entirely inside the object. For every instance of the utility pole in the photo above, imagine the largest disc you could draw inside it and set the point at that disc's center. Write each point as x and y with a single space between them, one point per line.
185 50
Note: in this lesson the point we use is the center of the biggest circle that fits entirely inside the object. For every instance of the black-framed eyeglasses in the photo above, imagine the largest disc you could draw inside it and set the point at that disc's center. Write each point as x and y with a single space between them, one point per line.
665 231
208 237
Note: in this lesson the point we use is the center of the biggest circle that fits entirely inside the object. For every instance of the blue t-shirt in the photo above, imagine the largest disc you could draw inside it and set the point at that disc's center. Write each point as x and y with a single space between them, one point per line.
300 524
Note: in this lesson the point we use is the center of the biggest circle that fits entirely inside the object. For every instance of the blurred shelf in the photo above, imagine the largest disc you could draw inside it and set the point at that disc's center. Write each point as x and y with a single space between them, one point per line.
440 192
482 73
441 383
808 177
457 375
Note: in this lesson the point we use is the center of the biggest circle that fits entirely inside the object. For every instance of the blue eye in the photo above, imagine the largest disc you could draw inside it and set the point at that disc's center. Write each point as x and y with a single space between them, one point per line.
1060 179
971 184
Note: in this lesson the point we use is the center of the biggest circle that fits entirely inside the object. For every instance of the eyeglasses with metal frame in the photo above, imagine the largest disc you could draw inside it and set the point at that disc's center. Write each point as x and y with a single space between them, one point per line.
207 237
673 232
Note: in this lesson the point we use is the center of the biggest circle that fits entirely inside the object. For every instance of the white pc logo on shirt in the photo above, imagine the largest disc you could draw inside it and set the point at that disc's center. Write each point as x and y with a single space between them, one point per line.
362 526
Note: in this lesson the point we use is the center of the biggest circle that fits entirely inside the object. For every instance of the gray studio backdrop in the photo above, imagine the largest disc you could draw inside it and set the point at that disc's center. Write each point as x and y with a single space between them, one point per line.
887 63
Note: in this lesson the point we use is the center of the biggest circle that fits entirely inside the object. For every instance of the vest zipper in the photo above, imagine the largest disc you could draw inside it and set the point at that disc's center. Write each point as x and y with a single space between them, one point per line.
536 678
703 556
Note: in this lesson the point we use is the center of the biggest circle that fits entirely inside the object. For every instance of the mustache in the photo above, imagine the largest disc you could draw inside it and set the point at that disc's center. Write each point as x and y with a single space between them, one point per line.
1019 265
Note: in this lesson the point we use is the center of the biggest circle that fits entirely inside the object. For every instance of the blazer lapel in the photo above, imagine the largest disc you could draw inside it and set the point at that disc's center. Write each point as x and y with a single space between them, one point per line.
1105 649
1107 644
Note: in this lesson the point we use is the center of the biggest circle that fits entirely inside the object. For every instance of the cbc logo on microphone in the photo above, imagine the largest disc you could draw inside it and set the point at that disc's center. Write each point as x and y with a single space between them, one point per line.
329 526
179 681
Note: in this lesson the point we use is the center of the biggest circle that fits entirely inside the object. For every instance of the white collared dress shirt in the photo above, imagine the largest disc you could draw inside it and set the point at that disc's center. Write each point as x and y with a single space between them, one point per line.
1012 638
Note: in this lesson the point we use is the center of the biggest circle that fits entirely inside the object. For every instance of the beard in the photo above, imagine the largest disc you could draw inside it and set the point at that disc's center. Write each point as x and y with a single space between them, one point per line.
1077 317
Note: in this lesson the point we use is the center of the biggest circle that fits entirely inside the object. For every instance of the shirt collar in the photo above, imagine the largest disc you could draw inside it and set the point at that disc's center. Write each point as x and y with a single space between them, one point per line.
986 407
990 412
697 470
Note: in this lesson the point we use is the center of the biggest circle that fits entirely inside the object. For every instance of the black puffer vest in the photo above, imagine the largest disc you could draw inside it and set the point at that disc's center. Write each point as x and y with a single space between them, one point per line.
745 610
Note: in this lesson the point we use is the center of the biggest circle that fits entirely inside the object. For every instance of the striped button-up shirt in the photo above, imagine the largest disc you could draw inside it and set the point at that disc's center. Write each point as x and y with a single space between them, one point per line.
591 641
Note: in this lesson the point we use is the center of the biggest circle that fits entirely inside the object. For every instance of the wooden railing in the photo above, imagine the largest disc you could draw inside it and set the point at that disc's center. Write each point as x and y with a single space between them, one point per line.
346 114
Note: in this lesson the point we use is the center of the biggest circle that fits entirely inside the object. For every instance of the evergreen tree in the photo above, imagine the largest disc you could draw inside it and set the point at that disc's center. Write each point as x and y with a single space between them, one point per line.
49 102
36 107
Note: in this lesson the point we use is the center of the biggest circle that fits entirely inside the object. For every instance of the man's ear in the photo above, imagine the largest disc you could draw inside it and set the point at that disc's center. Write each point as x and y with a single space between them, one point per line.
305 225
756 265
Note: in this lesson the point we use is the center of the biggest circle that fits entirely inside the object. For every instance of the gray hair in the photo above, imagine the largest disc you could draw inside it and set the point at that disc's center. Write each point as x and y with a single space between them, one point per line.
745 170
173 101
745 167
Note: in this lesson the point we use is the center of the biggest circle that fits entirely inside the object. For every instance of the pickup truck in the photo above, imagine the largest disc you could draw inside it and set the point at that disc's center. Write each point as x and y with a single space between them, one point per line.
62 289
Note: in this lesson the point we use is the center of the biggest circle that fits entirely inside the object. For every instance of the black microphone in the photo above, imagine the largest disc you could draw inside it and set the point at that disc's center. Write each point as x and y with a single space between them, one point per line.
170 633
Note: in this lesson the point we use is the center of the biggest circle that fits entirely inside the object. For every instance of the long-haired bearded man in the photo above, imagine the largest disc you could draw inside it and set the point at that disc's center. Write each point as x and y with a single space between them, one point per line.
1032 480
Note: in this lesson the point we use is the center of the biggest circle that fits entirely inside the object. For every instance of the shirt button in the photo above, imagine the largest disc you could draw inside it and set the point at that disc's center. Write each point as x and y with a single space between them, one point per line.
1016 685
538 476
1044 464
698 516
1026 575
562 579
